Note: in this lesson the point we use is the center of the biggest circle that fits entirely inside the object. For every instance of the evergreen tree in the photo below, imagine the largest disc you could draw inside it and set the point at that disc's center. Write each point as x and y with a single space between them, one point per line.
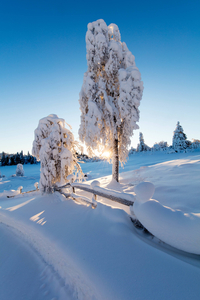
17 159
12 160
7 160
28 158
54 145
142 146
110 95
32 160
3 159
179 139
21 157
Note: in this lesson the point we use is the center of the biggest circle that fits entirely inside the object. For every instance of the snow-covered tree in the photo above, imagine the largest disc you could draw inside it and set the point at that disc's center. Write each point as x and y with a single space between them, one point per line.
179 139
17 159
161 146
19 170
141 147
54 145
21 157
110 95
3 159
132 151
195 144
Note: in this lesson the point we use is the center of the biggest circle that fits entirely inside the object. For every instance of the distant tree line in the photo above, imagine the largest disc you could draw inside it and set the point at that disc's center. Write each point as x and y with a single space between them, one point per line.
18 158
179 143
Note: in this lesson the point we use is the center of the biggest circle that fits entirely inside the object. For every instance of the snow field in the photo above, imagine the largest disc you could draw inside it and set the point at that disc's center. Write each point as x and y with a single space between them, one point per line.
98 254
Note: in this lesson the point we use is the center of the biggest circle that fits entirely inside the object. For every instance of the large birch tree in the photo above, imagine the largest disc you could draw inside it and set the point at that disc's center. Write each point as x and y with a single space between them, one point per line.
110 95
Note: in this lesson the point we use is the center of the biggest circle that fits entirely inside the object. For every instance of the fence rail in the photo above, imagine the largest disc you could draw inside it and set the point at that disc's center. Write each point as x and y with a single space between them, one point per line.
106 193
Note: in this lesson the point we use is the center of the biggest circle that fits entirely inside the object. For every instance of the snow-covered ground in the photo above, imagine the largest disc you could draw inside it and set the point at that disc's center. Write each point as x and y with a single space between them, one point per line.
52 248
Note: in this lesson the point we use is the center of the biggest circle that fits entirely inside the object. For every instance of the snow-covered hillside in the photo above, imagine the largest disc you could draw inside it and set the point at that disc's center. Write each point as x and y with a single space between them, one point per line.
53 248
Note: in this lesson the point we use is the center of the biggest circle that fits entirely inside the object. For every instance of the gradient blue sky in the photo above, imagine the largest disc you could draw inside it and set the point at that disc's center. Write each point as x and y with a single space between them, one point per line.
43 59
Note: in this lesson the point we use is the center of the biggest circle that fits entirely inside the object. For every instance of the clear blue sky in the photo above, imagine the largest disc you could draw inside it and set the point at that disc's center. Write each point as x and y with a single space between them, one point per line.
43 59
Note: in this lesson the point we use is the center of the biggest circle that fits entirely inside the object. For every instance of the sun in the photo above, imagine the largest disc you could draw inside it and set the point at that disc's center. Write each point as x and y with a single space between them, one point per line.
106 154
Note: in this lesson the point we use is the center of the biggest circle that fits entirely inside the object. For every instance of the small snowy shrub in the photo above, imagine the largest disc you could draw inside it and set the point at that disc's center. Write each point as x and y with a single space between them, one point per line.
195 144
161 146
19 170
132 151
110 95
54 146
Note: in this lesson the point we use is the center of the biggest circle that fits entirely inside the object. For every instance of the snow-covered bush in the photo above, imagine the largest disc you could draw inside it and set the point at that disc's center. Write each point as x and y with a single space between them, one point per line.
132 151
19 170
110 95
142 147
54 145
161 146
195 144
179 139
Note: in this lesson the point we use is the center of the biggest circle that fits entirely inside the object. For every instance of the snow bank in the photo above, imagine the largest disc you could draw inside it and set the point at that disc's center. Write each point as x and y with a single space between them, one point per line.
144 191
98 253
176 228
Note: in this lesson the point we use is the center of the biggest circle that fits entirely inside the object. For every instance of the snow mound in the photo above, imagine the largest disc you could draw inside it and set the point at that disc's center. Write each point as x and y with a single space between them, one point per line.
144 191
174 227
94 184
11 193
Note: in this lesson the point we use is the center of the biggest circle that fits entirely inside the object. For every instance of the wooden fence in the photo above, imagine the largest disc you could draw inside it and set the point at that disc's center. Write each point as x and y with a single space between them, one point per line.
122 198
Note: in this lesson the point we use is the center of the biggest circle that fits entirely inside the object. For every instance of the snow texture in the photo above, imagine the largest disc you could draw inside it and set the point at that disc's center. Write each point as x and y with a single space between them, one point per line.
111 91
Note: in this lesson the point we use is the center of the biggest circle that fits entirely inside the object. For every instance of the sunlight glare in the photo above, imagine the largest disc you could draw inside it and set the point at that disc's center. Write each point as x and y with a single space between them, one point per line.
106 154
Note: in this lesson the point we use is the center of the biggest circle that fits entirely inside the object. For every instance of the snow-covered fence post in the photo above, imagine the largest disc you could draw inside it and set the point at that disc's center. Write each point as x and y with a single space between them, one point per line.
110 95
73 189
36 186
54 145
95 189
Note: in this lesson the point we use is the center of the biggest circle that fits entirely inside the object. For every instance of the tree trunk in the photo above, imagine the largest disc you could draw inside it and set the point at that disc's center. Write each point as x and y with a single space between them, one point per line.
115 166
